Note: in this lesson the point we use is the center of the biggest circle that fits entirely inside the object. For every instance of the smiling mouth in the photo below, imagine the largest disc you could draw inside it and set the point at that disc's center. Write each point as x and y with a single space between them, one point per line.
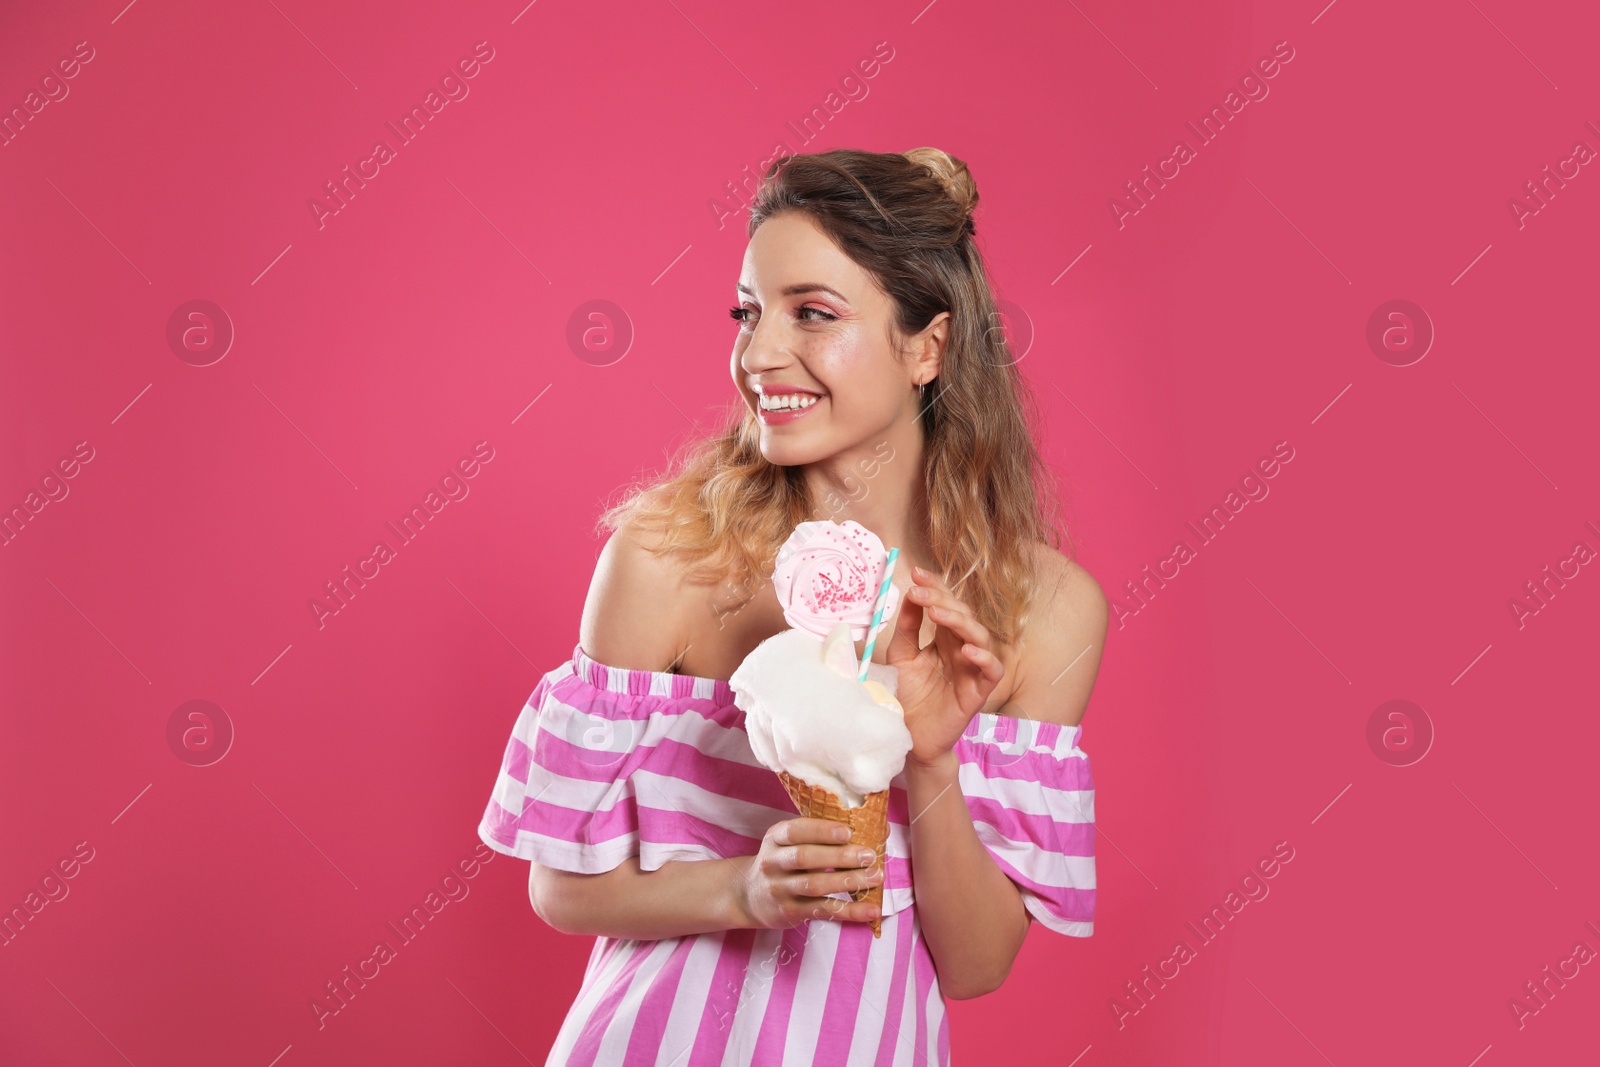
786 411
788 401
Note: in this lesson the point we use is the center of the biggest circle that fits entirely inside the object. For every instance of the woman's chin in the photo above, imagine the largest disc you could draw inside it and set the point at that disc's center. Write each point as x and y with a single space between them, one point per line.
791 453
783 457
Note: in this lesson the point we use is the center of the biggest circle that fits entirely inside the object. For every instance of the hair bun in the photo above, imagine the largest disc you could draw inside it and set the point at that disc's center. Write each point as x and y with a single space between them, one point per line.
951 172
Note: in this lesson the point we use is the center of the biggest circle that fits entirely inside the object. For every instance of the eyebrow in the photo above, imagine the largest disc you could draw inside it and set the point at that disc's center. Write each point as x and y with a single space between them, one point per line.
799 288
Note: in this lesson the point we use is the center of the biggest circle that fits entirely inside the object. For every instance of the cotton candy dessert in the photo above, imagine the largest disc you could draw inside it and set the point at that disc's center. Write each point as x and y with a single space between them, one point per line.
834 741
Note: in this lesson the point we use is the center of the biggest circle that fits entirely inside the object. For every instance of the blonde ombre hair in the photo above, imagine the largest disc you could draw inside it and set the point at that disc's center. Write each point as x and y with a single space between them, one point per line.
906 219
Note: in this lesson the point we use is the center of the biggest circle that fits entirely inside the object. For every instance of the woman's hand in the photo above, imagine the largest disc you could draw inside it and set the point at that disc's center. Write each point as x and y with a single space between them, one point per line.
787 882
943 686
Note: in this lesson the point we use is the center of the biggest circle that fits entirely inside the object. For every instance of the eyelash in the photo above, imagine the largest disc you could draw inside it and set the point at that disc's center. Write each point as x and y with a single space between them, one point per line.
738 314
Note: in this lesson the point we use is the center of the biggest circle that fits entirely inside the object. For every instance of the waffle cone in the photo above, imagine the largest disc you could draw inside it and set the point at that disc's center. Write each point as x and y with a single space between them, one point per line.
869 826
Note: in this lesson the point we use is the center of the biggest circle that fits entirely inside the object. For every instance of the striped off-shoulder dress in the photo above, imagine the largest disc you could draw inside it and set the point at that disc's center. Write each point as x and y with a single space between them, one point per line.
605 763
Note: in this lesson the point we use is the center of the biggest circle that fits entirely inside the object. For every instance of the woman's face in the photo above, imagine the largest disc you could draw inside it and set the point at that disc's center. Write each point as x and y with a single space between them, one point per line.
815 321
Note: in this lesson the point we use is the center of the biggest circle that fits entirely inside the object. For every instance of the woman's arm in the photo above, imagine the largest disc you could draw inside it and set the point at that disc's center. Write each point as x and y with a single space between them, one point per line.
636 615
971 912
681 898
784 884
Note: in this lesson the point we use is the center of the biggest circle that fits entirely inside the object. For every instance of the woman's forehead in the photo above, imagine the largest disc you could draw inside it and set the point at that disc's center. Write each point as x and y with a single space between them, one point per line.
789 251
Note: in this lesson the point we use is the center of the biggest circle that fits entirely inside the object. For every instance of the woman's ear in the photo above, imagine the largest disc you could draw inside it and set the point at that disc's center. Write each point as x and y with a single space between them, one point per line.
930 347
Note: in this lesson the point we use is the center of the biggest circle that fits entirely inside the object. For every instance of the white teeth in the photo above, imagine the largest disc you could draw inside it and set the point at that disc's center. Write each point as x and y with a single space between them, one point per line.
787 402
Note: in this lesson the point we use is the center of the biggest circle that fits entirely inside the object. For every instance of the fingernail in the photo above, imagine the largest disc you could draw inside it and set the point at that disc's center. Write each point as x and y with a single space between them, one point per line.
841 833
865 858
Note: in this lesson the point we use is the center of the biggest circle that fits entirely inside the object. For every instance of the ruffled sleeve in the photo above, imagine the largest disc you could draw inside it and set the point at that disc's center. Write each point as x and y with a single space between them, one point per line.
1031 794
605 763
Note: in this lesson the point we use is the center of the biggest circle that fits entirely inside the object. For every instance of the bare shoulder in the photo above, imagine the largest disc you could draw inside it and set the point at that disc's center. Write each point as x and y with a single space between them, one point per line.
632 616
1066 586
1059 654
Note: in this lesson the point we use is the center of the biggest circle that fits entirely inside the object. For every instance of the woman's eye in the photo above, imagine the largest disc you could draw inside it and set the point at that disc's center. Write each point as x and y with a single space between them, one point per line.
741 315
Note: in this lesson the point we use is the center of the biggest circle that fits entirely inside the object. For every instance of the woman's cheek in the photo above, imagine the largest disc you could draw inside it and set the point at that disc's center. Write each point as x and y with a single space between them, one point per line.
841 363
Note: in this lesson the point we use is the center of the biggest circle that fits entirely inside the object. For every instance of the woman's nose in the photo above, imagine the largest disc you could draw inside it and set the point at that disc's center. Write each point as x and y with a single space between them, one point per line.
764 351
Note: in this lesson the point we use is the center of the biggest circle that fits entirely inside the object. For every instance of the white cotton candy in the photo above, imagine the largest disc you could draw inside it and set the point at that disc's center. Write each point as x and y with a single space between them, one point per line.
809 717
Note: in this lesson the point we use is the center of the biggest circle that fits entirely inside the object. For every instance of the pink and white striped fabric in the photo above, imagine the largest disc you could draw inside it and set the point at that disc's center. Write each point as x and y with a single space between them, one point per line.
605 763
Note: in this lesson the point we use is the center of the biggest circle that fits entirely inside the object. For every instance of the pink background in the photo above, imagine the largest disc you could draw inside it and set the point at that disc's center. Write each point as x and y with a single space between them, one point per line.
371 354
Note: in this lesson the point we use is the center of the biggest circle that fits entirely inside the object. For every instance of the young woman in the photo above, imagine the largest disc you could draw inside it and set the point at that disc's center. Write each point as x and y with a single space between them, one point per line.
876 387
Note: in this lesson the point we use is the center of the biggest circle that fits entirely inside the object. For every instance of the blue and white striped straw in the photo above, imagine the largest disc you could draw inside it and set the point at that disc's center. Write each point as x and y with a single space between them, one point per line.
879 604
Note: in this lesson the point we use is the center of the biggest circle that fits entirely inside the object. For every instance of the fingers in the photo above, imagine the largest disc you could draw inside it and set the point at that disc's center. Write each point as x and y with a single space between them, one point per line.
796 868
856 911
806 886
930 591
946 609
820 857
807 830
986 661
860 911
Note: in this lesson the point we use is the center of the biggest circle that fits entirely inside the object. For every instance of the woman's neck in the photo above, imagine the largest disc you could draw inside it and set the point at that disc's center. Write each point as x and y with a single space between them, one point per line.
878 484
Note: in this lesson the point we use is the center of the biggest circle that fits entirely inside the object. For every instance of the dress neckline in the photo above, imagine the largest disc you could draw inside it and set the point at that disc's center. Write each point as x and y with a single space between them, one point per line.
638 682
